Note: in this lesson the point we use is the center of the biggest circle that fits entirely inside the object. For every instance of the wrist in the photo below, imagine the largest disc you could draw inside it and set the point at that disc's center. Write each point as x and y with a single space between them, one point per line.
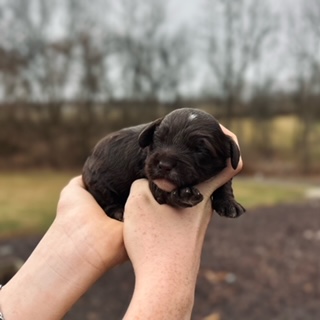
165 287
59 271
47 285
162 295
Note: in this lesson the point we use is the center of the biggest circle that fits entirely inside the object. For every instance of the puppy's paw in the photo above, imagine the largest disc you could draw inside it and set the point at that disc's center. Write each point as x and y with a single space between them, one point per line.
114 212
185 197
118 215
228 208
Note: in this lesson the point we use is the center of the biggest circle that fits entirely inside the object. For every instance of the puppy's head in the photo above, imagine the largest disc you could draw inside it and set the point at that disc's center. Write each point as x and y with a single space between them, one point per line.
186 147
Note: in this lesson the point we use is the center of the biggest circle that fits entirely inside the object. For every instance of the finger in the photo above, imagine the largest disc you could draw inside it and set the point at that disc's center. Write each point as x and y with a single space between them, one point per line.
230 134
235 139
74 196
74 193
209 186
72 189
76 181
140 188
138 184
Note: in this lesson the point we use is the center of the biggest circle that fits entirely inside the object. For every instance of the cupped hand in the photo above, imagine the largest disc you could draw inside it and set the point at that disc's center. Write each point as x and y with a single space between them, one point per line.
99 239
157 230
164 245
79 247
208 187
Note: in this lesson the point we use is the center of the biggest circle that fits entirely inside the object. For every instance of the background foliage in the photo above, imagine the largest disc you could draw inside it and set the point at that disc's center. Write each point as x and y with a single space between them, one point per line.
71 71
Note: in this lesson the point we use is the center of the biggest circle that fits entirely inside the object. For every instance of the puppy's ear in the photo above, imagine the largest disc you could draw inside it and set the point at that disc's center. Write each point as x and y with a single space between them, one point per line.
146 136
234 153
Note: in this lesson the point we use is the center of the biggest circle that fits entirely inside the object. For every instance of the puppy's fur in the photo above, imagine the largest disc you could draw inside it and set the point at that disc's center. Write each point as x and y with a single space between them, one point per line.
186 147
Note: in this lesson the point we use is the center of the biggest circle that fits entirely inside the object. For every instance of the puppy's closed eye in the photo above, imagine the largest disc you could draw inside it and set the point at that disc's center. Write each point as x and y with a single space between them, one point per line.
205 147
161 138
201 146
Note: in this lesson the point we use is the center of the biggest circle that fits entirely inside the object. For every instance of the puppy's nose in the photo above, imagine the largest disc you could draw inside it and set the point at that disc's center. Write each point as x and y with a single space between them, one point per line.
166 165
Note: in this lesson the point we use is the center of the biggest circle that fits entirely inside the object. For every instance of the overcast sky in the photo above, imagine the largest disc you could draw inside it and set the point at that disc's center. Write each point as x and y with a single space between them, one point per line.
190 13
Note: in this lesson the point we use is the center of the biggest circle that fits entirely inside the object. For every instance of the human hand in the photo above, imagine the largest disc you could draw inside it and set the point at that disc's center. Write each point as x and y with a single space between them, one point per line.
208 187
143 215
81 245
81 219
164 245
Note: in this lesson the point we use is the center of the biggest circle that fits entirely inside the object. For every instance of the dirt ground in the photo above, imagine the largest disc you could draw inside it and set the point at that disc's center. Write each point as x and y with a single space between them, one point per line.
264 265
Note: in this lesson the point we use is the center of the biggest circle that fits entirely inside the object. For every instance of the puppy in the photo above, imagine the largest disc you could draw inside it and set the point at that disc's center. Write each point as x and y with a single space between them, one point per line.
174 153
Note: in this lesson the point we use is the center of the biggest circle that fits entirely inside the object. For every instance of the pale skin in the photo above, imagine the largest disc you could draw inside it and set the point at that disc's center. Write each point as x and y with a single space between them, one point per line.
164 245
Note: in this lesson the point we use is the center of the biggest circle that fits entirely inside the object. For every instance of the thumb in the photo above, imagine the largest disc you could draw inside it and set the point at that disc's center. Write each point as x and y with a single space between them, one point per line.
207 187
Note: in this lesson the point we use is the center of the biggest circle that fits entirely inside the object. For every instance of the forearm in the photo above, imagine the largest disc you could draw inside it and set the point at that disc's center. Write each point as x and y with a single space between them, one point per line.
161 300
54 277
165 283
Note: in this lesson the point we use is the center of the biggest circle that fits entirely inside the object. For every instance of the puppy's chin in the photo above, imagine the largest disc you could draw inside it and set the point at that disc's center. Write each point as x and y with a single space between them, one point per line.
165 185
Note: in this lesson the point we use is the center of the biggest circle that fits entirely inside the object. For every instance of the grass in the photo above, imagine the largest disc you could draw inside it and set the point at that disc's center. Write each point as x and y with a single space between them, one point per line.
252 193
28 200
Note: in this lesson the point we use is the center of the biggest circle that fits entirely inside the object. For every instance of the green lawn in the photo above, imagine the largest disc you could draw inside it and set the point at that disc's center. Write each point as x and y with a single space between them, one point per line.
253 193
28 200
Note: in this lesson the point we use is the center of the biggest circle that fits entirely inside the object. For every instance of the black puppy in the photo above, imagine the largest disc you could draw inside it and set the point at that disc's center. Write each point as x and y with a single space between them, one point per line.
174 153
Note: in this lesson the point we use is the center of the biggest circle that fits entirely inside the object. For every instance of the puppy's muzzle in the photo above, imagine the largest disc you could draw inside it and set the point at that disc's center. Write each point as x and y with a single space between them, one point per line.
163 165
166 165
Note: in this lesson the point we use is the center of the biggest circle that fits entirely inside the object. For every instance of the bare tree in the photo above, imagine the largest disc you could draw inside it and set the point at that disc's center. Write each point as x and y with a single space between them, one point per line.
236 34
46 62
152 58
304 33
262 111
